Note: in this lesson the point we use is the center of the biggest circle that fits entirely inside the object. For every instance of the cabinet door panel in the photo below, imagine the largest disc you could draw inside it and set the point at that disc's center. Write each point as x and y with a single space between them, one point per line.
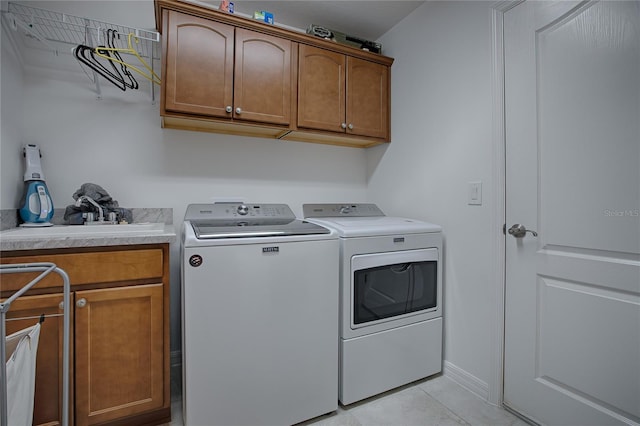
119 353
199 65
262 84
24 312
321 89
367 98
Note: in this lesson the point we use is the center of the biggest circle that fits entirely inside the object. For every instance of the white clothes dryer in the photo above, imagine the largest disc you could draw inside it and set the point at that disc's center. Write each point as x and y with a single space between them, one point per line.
390 298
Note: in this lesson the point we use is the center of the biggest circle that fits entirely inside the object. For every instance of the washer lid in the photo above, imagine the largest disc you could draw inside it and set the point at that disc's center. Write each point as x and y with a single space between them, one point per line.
240 220
373 226
252 228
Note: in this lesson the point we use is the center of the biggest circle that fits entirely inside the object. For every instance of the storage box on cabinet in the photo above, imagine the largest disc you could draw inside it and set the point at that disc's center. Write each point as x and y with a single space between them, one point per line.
120 333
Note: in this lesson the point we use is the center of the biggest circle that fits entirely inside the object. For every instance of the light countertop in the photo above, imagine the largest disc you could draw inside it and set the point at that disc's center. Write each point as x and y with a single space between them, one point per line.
70 236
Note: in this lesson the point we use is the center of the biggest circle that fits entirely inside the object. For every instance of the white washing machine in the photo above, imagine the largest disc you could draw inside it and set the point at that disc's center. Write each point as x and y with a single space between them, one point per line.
260 316
390 298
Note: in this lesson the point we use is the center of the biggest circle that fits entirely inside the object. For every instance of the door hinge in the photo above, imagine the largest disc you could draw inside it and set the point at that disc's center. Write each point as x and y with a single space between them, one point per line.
504 229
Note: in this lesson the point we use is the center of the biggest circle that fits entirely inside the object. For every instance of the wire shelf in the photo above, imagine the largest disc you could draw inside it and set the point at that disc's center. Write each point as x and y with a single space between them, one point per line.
55 29
46 25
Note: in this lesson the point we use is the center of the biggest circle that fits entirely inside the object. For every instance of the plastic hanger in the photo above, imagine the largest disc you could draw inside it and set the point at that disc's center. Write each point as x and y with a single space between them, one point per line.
151 75
111 35
81 51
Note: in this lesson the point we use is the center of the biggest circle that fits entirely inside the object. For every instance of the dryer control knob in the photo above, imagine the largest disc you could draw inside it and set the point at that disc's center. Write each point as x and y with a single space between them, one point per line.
243 209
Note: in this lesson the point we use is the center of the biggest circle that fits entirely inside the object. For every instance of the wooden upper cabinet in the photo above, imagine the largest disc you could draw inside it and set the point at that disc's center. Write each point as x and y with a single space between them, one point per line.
343 94
199 65
228 74
263 78
367 98
321 89
217 70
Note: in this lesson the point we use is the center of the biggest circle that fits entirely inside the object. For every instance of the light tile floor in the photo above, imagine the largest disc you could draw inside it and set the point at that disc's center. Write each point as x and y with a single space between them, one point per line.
437 401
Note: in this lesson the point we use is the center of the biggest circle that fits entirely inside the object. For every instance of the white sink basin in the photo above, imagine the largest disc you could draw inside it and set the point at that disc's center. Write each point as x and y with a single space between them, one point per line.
82 230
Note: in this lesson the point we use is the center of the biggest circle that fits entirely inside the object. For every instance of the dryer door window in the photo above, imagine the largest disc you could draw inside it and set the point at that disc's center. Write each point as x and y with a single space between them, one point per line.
400 288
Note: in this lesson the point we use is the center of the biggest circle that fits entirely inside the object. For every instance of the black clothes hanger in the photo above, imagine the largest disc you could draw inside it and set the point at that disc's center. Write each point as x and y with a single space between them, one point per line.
111 36
85 55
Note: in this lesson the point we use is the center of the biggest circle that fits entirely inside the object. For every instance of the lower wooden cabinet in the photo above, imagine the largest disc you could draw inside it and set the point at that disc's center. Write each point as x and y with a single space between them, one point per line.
118 353
119 336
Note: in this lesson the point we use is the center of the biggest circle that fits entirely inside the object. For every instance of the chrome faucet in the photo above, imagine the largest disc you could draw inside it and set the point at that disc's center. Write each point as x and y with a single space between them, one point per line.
92 201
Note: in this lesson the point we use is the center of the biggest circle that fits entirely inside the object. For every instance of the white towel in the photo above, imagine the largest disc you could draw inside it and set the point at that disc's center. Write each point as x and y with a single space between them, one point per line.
22 348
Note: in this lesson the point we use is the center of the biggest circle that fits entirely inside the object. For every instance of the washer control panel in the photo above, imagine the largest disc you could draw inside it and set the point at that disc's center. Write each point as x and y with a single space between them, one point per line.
215 211
341 210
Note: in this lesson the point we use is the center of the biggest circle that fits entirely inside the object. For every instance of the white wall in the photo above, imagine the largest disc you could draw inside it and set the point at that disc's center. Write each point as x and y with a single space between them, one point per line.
11 123
441 140
118 143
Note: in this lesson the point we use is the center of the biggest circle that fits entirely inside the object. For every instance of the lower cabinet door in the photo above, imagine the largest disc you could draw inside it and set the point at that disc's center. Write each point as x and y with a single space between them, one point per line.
119 352
25 312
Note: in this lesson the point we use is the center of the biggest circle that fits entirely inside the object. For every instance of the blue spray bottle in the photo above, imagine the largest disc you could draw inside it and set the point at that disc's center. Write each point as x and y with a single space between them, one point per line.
37 206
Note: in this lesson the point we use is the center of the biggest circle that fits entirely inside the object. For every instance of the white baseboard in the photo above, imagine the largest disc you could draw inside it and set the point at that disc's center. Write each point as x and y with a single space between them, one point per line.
466 380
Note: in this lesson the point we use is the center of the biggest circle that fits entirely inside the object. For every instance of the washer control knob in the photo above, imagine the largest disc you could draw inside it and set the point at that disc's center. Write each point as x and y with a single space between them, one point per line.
243 209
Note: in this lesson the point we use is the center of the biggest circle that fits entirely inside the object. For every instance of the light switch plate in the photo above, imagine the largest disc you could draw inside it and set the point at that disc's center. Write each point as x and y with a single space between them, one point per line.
475 194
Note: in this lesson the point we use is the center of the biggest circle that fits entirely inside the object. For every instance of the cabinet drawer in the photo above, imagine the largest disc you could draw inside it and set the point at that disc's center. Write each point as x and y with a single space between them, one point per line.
88 268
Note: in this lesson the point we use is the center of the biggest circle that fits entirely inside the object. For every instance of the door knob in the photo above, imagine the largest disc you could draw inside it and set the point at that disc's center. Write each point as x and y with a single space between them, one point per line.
81 303
520 231
228 108
343 125
238 111
350 126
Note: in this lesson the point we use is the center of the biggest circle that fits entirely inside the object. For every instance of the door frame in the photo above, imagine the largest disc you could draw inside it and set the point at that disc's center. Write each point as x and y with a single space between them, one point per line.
496 377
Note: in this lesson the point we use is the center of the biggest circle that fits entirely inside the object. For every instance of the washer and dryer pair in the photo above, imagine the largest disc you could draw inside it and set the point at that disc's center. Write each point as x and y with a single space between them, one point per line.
283 317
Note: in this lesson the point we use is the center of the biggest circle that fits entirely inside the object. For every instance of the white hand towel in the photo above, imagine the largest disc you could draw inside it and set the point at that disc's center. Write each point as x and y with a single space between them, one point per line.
22 348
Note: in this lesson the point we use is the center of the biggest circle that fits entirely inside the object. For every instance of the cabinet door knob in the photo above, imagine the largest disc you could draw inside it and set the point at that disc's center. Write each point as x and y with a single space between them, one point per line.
81 303
61 306
238 111
343 125
228 108
350 126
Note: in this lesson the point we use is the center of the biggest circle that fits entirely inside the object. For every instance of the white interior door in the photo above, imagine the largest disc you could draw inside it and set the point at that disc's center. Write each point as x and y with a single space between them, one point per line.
572 125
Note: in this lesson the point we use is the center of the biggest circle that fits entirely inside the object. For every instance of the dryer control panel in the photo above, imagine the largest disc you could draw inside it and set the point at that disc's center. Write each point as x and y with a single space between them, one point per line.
341 210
